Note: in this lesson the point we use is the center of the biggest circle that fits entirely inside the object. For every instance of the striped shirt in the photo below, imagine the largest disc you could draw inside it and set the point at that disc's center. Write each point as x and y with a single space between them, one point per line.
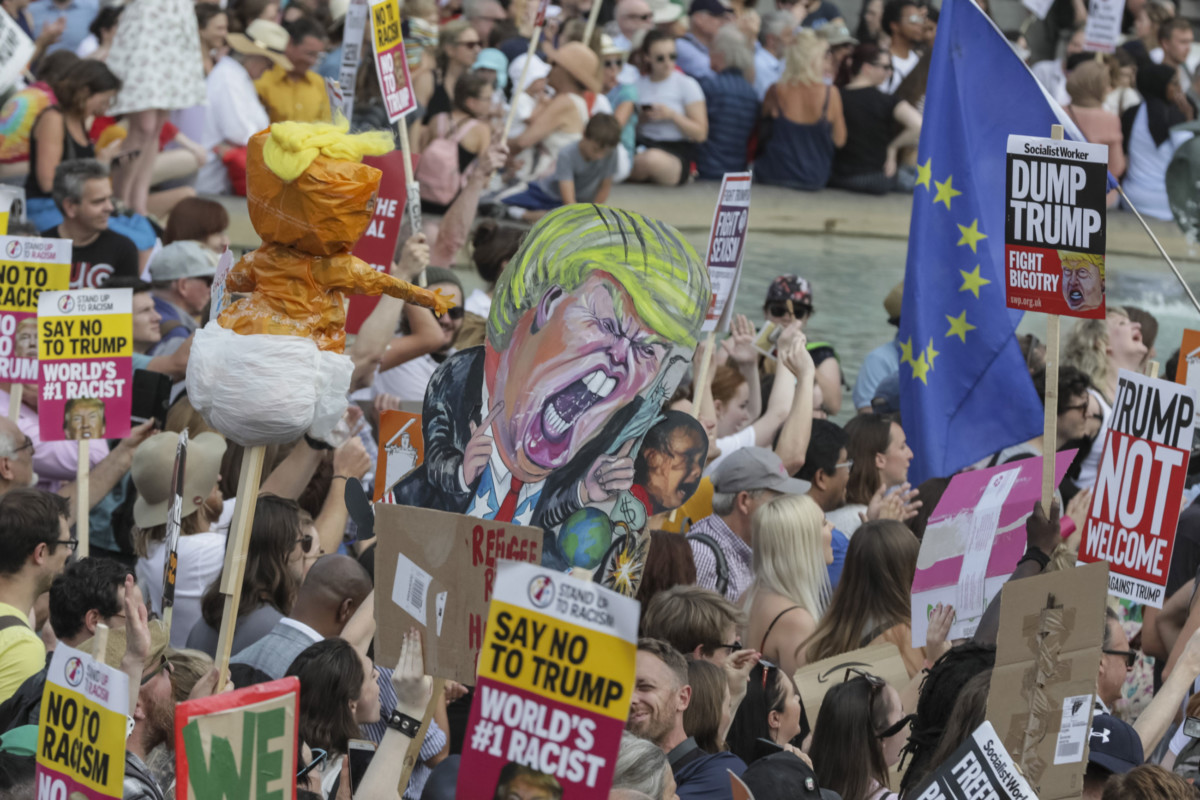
737 556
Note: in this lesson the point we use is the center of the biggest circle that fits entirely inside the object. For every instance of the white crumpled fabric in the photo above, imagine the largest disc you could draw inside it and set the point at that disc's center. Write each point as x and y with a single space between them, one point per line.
264 389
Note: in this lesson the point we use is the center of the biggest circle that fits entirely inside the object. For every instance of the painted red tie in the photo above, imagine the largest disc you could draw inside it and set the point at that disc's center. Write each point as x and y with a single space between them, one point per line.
509 506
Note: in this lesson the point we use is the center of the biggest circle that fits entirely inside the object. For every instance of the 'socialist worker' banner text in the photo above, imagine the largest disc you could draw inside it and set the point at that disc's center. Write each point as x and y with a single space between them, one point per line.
28 267
81 730
85 345
1139 486
555 678
1054 226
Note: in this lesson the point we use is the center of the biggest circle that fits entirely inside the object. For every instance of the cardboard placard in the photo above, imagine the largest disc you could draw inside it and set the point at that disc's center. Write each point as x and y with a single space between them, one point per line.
218 295
377 246
1188 370
973 541
390 60
85 346
1139 486
352 38
727 247
239 745
1102 33
174 523
815 679
436 570
978 768
1047 654
401 450
28 267
12 206
81 728
15 51
555 681
1054 226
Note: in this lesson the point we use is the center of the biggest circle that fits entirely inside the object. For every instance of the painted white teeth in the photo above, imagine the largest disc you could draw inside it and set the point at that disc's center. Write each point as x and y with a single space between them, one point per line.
594 381
606 389
556 423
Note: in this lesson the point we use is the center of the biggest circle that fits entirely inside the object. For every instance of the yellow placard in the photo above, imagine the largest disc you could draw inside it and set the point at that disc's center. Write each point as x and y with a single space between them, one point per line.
555 659
385 19
104 335
21 282
82 739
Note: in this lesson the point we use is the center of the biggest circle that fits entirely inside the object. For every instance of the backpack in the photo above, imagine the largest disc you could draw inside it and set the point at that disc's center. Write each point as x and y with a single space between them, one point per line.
721 564
437 171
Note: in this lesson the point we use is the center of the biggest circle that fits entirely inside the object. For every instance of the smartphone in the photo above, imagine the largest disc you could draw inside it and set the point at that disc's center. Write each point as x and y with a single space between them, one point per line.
646 107
768 337
1191 727
361 751
151 395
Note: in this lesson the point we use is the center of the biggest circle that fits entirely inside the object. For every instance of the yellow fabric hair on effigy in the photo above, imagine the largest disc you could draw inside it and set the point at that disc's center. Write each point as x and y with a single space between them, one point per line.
293 146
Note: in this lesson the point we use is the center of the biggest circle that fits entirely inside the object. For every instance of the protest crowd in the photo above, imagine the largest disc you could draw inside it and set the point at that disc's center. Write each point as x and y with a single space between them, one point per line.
788 531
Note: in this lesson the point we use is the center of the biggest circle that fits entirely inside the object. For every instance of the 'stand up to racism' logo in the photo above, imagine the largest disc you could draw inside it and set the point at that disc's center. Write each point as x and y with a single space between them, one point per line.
13 250
541 591
66 303
74 671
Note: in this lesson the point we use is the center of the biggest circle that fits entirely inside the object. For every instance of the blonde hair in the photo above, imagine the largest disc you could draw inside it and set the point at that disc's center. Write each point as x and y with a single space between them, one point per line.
803 60
187 668
293 146
1086 83
788 557
1086 347
448 37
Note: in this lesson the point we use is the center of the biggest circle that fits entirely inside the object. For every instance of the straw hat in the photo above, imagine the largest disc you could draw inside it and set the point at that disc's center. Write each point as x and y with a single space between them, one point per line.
609 48
665 12
153 464
262 38
160 637
580 63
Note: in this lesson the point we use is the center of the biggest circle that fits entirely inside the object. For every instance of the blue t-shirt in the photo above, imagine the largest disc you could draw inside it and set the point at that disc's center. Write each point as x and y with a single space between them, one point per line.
840 544
623 93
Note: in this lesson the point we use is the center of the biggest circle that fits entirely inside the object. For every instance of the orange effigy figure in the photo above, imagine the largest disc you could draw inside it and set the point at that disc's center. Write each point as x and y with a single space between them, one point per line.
270 367
310 199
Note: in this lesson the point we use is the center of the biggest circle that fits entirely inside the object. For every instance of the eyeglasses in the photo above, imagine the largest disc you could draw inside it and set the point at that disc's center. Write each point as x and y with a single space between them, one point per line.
639 17
27 446
886 66
614 63
900 725
473 45
733 648
783 309
1081 408
846 464
305 542
70 544
665 57
1130 656
163 666
915 19
318 759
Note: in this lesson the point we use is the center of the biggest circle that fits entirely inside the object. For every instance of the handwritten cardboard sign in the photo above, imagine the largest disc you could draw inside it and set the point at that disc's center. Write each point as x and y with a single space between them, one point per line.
727 247
814 680
81 728
85 346
239 745
1139 486
436 570
1054 226
555 681
28 267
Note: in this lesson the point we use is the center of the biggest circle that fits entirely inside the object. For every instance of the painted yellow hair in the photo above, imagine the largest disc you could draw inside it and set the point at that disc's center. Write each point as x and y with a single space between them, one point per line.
1095 260
293 146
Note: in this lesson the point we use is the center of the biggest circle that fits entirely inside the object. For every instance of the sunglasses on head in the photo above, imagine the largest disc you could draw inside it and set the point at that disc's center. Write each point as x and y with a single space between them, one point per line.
305 542
665 57
163 666
318 758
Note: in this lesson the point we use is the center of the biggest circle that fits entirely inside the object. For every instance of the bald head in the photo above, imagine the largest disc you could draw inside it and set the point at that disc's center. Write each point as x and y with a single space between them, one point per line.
334 588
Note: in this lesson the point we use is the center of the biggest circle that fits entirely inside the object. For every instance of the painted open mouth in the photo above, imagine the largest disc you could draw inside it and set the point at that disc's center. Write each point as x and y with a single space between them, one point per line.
1074 297
564 408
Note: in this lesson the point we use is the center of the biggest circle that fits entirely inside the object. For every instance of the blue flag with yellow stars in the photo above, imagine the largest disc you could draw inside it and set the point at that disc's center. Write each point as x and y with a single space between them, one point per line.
965 391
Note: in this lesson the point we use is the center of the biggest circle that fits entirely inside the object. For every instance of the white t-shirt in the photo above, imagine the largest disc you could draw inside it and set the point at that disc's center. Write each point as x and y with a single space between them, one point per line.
201 557
1091 464
478 303
676 92
846 518
407 381
900 69
731 444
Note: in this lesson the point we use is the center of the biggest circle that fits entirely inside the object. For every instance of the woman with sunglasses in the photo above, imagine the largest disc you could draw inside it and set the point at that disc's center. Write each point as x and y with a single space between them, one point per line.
458 46
878 483
859 734
772 710
623 98
673 116
424 342
790 299
275 566
877 126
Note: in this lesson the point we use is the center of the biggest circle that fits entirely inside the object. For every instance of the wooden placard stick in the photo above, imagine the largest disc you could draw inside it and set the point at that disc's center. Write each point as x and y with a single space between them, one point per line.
412 189
1151 370
100 644
1050 431
520 87
235 555
15 393
414 749
82 503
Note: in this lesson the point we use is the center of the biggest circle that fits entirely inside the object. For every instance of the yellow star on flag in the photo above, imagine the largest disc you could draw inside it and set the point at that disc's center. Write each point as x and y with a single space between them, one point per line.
906 351
972 280
924 173
945 192
959 326
930 353
971 235
920 369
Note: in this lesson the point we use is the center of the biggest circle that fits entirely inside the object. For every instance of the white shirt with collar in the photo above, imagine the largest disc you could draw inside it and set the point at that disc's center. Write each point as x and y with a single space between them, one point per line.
237 115
305 629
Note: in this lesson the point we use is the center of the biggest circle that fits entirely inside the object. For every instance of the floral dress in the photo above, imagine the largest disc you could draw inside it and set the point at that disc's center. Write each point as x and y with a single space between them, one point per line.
156 54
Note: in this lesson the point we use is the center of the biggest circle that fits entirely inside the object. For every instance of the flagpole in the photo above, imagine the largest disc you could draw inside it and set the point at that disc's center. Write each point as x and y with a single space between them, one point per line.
1050 403
1161 251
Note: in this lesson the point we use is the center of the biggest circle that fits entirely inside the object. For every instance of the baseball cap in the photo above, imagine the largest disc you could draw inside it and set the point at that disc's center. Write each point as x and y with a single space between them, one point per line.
790 287
1114 744
714 7
781 776
154 464
20 741
753 468
183 259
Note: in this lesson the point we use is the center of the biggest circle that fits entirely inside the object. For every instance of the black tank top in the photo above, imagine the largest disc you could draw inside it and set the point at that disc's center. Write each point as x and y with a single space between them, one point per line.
72 150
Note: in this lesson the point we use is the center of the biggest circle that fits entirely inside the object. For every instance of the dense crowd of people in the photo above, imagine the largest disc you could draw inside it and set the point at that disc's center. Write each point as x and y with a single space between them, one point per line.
799 537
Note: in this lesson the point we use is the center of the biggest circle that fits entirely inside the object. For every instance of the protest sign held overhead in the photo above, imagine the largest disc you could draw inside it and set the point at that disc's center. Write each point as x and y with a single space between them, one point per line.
1054 226
1102 33
1188 370
81 728
85 345
239 745
727 247
390 60
401 450
357 13
979 768
377 246
1139 486
555 681
28 267
442 583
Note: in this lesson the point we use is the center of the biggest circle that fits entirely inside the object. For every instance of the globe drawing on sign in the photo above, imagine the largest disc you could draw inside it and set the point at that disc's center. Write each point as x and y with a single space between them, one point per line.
584 537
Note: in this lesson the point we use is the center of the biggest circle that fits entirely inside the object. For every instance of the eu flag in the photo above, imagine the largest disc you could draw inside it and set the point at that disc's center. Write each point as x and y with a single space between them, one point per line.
965 391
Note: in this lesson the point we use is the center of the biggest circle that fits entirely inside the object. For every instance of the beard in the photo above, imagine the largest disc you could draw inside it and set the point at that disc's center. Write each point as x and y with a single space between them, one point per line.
160 723
654 727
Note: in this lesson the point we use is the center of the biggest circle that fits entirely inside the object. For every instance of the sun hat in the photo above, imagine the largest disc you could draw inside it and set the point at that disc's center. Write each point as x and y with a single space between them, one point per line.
153 465
580 62
262 38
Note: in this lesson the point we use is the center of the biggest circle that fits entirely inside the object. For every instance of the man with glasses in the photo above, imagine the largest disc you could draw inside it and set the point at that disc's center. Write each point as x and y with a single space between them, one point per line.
182 275
35 543
705 18
16 458
632 16
83 193
904 20
777 34
827 468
